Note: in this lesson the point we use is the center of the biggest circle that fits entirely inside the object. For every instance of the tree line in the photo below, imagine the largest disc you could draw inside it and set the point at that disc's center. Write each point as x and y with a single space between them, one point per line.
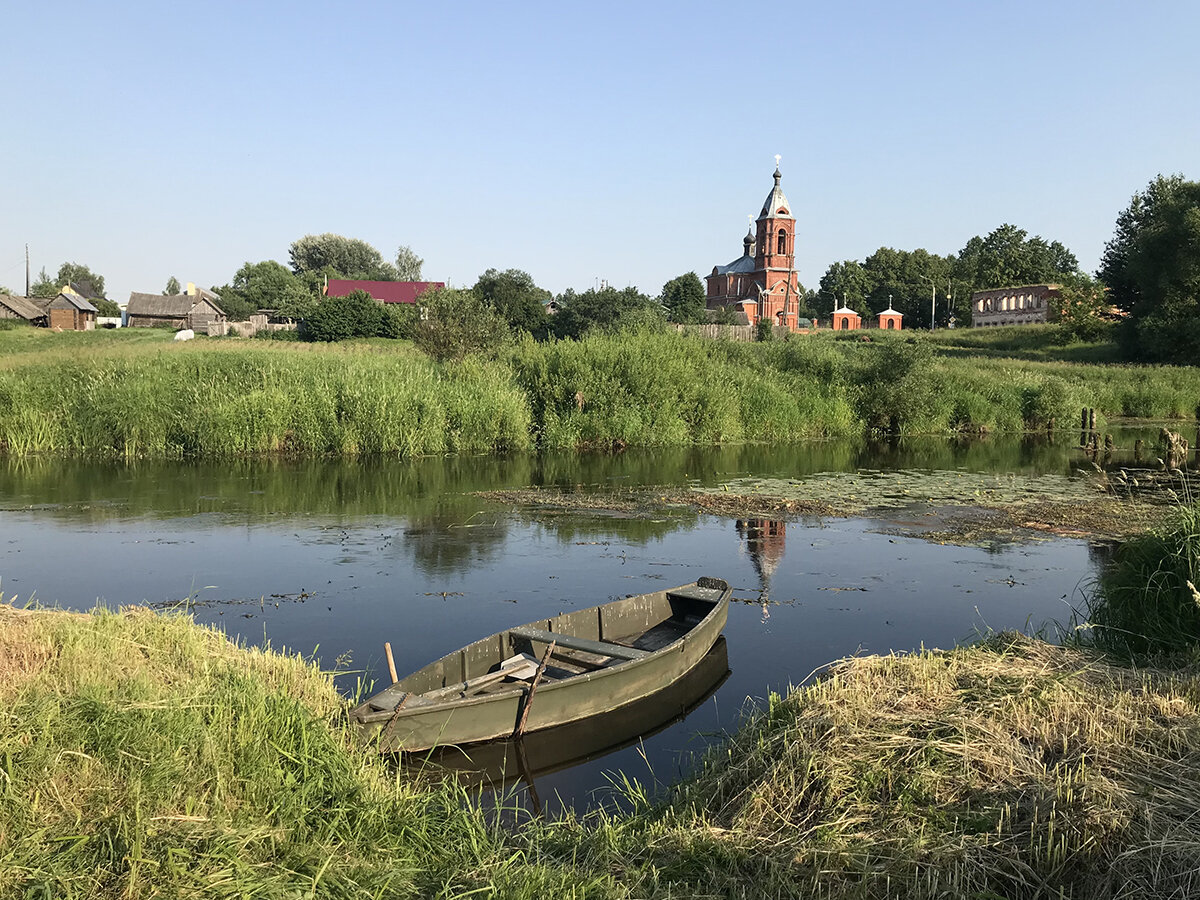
1149 274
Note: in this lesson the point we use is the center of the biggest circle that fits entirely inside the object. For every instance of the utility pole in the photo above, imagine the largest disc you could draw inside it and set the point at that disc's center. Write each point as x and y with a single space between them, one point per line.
27 270
932 305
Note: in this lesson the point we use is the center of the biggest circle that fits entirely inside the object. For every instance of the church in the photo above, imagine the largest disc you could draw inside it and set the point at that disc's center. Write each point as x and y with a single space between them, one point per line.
762 282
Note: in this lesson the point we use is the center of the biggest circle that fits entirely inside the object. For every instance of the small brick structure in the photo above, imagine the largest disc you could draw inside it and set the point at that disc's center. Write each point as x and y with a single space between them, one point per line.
890 320
846 319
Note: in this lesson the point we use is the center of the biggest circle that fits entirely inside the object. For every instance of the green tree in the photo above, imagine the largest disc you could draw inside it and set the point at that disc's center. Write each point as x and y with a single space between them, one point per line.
1152 269
43 288
172 287
344 257
260 285
515 299
601 308
908 280
408 264
843 284
82 277
683 298
1008 257
1080 309
455 323
108 308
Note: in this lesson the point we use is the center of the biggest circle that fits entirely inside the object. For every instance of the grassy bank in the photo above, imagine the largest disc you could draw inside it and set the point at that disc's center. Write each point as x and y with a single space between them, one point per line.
140 396
145 756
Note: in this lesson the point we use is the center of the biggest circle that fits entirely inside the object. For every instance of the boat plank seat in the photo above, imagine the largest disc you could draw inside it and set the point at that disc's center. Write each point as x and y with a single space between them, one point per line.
695 592
601 648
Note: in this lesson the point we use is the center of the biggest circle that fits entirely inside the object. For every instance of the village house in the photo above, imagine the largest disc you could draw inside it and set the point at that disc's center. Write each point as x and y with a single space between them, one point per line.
69 311
762 283
381 291
1012 306
196 308
13 307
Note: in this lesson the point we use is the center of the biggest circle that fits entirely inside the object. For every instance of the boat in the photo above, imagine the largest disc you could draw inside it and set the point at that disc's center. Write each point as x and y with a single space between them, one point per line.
504 763
550 672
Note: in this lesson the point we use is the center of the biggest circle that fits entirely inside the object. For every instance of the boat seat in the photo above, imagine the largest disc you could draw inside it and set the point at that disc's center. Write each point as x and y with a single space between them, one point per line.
601 648
707 594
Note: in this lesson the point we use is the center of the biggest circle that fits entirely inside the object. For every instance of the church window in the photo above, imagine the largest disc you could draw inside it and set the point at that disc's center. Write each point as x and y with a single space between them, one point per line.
782 242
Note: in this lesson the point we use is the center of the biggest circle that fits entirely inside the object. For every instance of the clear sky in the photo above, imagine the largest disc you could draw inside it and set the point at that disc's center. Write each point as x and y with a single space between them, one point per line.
623 141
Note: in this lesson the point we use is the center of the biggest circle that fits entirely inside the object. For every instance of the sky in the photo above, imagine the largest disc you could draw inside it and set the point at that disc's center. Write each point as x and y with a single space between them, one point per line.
577 141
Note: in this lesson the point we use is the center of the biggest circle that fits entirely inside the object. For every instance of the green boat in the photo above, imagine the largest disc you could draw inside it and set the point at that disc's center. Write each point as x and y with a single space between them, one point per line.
550 672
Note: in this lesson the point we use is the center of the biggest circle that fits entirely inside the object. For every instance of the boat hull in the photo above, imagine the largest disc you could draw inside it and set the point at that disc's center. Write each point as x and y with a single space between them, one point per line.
461 720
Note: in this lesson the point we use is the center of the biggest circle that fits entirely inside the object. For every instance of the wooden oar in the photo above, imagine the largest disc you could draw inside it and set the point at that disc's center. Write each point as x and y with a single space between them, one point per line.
520 729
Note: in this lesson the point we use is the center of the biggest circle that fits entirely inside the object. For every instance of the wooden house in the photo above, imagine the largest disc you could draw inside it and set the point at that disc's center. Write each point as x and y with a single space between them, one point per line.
13 307
194 309
71 312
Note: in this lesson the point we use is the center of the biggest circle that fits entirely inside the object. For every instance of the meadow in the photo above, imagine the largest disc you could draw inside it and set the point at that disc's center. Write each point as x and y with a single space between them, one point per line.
136 394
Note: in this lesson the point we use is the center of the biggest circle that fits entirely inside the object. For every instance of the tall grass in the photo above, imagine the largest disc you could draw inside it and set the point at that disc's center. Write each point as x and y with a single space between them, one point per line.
1147 599
234 400
144 756
144 398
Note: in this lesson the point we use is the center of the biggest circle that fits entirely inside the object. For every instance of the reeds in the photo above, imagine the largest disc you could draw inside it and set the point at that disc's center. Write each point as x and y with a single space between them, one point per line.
1147 599
143 397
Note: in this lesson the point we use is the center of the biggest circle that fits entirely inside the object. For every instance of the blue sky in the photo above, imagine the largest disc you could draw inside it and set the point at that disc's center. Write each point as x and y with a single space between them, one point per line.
624 141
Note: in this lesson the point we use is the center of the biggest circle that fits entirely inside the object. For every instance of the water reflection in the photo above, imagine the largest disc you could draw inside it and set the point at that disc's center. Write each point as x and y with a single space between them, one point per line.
765 540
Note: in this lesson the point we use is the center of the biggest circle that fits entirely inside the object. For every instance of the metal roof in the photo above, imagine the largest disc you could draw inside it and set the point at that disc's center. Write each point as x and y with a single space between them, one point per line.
776 205
383 291
738 266
76 301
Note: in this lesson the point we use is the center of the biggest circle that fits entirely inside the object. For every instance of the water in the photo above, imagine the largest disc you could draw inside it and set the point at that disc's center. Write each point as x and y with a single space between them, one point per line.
332 558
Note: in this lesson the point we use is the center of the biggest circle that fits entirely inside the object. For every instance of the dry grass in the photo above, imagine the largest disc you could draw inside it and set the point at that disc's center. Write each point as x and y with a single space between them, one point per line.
1014 769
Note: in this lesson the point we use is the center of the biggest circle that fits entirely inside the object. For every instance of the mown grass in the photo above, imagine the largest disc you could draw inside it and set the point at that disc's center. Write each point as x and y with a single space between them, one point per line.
143 397
145 756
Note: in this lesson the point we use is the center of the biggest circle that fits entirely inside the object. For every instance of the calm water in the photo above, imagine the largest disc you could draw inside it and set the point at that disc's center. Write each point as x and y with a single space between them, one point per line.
334 558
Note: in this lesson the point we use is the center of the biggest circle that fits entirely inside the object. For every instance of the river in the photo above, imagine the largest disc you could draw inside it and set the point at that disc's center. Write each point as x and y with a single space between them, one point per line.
333 558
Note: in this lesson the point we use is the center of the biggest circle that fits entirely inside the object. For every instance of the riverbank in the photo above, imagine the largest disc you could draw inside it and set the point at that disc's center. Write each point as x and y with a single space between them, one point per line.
103 395
145 755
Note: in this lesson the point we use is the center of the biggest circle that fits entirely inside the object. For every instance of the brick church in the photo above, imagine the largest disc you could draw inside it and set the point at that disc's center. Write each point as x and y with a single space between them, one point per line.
762 282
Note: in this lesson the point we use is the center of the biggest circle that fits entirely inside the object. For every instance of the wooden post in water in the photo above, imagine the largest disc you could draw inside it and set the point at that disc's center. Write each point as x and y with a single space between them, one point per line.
1139 450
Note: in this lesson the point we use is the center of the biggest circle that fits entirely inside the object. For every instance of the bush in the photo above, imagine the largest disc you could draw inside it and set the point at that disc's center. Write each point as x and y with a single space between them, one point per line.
455 323
340 318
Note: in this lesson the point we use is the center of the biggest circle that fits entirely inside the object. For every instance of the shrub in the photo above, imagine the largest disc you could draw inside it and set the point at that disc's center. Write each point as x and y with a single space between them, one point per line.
455 323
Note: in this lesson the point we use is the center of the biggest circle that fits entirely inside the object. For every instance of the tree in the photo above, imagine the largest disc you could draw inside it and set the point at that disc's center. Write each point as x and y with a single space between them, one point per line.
1152 270
1080 309
456 323
683 298
515 298
599 308
172 287
43 288
844 284
260 285
107 308
344 257
81 277
408 264
907 279
1008 257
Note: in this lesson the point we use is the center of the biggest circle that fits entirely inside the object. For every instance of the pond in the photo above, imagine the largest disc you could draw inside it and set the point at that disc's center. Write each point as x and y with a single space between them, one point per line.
333 558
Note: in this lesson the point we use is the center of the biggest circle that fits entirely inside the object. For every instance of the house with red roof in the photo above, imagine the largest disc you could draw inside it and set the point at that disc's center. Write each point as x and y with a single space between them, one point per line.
382 291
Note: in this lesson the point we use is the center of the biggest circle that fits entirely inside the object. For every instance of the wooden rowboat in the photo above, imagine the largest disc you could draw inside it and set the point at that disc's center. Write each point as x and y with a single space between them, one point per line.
549 672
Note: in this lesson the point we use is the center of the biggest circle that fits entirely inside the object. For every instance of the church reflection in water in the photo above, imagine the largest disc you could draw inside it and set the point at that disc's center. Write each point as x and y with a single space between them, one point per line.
766 540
